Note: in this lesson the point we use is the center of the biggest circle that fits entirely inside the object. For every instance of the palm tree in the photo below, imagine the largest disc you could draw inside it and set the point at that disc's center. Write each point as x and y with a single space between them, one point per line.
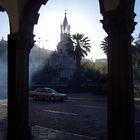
79 46
104 45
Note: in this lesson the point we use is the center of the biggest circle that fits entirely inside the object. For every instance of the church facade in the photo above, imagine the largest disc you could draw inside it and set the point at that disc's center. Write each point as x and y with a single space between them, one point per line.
61 60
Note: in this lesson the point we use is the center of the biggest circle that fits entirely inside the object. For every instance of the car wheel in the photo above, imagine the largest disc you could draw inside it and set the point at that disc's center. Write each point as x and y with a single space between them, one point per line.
52 98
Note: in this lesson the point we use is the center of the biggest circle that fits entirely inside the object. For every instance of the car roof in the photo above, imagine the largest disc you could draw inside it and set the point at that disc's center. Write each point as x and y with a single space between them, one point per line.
44 88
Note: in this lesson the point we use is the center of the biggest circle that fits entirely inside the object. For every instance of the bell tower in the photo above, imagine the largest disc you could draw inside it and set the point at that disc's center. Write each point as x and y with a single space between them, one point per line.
65 29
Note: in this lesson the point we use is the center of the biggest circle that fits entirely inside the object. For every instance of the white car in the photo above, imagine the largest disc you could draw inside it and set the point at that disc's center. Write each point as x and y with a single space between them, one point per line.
47 94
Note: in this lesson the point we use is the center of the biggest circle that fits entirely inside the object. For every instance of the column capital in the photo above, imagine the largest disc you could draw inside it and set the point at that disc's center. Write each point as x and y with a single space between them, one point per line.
119 22
23 41
1 9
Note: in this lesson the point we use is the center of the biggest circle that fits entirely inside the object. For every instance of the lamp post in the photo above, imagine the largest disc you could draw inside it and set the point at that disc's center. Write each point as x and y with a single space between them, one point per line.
41 56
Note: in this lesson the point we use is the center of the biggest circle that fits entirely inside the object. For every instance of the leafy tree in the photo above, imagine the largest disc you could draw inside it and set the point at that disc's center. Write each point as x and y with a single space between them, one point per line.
136 58
79 46
92 77
89 70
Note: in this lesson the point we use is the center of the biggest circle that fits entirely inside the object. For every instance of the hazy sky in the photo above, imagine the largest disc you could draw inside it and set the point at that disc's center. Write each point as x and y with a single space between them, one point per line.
83 16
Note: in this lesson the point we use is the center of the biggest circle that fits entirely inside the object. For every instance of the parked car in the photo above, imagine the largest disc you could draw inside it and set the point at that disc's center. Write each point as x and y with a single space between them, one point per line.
47 94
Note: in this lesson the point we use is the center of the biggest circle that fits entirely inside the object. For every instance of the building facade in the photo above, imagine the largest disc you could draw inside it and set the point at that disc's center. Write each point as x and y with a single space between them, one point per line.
61 59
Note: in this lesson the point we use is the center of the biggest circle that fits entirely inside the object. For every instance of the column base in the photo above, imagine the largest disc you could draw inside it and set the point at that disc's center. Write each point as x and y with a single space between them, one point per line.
19 134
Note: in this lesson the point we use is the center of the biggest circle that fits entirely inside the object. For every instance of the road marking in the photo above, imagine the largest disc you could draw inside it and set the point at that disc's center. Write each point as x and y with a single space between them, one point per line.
88 106
58 112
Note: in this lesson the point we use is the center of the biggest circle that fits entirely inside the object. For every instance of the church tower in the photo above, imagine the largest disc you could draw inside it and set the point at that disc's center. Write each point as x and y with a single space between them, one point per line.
63 61
64 35
65 29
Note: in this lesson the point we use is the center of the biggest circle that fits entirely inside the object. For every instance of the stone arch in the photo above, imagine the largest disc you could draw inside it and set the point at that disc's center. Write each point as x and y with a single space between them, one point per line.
117 18
30 18
24 40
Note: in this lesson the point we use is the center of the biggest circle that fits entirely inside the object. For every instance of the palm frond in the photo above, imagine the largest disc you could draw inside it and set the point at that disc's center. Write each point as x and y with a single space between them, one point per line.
84 52
81 43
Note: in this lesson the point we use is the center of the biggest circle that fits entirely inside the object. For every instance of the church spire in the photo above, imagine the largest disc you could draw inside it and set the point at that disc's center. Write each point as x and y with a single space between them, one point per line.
65 22
65 27
65 35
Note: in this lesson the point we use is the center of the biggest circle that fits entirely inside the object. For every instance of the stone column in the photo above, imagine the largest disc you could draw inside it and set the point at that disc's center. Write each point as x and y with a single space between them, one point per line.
119 24
18 70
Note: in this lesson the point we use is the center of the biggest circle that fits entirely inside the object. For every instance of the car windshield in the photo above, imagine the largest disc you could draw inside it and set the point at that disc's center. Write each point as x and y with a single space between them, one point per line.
50 90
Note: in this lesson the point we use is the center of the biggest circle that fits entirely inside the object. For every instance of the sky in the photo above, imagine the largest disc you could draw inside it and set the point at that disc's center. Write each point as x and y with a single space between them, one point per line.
83 16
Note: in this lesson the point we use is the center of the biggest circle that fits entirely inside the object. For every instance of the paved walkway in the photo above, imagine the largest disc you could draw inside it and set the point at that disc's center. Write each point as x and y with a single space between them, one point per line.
42 133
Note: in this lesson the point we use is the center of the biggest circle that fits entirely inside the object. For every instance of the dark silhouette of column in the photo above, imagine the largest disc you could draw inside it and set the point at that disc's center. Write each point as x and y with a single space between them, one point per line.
119 24
18 70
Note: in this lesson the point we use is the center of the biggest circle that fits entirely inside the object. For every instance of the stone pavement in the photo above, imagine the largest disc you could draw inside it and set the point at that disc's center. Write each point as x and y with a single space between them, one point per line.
42 133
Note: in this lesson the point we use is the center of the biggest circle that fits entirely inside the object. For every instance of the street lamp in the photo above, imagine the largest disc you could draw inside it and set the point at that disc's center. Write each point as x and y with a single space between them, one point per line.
39 41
